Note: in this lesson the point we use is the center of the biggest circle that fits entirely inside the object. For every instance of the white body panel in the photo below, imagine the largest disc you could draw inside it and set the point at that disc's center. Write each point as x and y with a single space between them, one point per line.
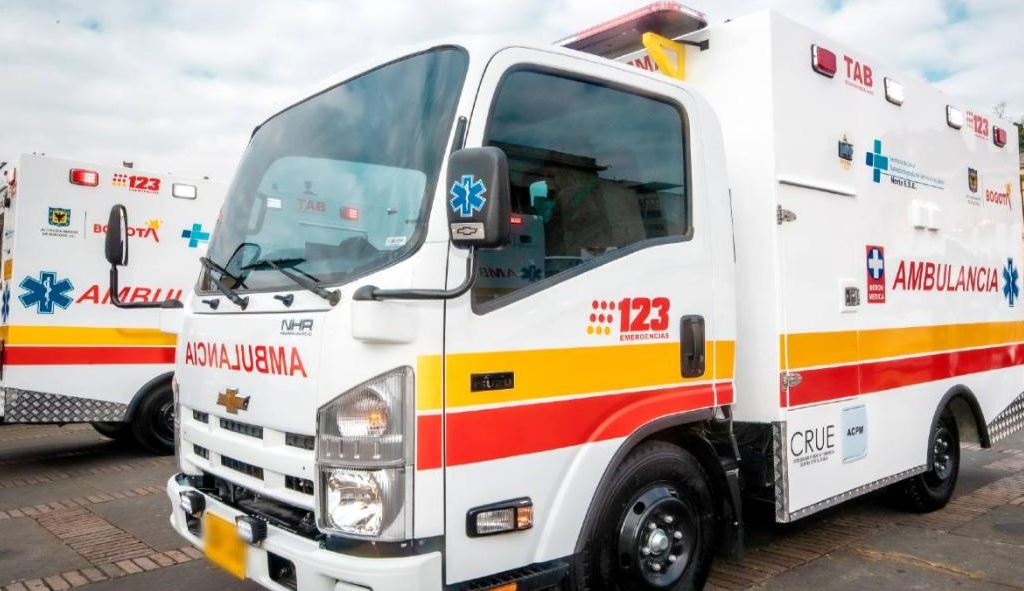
64 340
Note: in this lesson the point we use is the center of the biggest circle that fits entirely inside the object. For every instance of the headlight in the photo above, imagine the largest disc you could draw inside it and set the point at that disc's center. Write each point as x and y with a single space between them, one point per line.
365 502
363 449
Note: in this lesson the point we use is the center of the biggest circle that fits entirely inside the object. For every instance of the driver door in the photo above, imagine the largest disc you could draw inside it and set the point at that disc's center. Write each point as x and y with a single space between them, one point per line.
573 335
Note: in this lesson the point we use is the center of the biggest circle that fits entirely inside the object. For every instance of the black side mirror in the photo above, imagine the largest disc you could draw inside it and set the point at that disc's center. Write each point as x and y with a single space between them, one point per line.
478 200
116 247
116 250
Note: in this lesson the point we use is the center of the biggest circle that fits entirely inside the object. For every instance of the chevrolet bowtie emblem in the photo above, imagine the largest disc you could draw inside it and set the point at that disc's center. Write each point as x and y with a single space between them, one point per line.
231 401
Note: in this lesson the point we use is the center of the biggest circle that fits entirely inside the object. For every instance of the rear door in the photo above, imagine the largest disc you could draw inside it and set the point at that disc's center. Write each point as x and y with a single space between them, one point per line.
571 338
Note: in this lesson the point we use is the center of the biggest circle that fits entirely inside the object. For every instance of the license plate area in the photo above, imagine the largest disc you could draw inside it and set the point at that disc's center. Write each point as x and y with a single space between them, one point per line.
222 545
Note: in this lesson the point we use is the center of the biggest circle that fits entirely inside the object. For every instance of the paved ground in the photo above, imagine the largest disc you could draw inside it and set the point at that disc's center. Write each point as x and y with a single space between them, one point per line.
78 510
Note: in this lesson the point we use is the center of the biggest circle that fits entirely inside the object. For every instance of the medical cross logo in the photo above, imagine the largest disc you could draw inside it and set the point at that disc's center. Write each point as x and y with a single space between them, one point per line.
46 292
876 274
195 235
467 196
1010 276
877 161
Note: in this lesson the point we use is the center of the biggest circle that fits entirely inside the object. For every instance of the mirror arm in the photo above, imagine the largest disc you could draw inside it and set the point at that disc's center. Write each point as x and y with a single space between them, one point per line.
373 293
116 299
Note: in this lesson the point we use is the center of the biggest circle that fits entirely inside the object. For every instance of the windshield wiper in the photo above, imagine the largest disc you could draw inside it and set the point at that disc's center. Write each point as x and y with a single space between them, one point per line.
241 302
287 268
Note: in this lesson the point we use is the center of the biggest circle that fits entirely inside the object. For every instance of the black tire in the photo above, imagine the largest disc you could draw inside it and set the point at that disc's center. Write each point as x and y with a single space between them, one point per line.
657 510
153 423
115 430
931 490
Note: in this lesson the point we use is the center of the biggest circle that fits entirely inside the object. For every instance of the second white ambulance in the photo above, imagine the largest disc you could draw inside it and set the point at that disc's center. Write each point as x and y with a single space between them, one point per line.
68 352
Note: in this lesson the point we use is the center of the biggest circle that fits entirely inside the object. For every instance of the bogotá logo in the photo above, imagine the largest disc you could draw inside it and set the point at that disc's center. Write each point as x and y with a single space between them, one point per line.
1010 276
467 196
46 292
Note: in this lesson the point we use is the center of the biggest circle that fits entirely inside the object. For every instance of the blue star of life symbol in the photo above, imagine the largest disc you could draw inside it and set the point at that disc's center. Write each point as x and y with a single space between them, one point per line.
1010 275
46 292
877 161
467 196
876 264
195 235
5 307
530 273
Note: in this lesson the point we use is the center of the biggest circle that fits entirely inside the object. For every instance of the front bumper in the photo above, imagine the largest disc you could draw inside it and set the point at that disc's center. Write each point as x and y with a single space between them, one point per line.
317 569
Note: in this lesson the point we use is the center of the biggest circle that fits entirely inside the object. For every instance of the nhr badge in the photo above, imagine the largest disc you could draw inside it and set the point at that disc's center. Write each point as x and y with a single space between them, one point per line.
972 180
232 402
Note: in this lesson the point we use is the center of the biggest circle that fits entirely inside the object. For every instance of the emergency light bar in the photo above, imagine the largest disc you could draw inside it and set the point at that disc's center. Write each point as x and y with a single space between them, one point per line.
83 177
623 35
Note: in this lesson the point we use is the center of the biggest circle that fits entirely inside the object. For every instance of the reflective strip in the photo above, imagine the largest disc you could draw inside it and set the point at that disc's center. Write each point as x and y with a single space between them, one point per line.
78 335
496 433
833 348
841 381
88 355
557 373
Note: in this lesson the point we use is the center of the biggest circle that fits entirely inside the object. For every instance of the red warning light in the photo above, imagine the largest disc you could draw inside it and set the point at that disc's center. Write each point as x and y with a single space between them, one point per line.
999 136
823 61
349 213
86 178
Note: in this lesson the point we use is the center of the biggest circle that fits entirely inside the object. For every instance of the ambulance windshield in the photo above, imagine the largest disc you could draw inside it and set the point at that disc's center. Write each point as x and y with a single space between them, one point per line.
338 185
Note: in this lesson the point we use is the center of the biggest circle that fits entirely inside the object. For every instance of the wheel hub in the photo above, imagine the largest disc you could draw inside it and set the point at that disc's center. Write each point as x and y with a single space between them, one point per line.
942 463
657 536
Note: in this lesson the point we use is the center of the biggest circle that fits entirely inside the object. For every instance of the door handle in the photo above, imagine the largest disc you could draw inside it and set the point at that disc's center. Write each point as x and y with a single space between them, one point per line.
691 346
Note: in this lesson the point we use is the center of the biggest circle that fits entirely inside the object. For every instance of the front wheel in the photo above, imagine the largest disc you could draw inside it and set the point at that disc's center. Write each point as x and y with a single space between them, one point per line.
153 423
655 527
931 490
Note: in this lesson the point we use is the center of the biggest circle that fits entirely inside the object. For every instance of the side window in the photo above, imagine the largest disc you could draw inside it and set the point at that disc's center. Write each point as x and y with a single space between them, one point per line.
593 170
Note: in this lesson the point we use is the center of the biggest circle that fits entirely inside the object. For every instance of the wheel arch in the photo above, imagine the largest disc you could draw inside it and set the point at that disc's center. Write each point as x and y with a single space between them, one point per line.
141 394
685 430
970 419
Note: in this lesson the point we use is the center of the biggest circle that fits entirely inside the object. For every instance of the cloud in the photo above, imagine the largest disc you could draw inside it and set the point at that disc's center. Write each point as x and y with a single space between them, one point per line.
180 85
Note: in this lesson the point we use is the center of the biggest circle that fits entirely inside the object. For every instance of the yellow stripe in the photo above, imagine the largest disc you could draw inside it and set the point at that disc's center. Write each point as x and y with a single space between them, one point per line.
551 373
831 348
79 335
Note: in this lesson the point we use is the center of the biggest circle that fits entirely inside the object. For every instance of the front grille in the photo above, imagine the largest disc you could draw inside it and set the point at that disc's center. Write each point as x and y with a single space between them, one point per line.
301 485
201 451
242 428
247 469
202 417
299 441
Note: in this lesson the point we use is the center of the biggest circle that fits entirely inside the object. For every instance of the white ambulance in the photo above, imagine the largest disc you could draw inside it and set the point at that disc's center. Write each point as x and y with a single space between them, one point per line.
69 354
774 268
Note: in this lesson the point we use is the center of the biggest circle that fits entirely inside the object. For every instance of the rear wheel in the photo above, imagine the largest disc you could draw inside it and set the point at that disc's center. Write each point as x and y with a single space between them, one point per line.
153 423
931 490
655 527
115 430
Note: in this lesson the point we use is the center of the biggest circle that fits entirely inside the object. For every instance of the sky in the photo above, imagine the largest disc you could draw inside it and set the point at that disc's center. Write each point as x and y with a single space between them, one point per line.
178 85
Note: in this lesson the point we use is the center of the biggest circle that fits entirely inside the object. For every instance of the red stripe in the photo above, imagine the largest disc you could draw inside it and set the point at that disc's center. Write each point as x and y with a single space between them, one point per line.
831 383
428 442
87 355
725 393
490 434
